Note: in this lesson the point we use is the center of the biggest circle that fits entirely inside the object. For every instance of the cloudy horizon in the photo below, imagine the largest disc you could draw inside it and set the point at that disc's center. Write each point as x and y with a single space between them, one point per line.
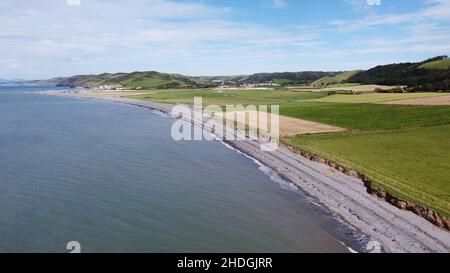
50 38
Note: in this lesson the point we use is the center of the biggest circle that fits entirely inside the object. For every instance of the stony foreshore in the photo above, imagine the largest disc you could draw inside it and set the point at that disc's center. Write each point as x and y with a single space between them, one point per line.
394 229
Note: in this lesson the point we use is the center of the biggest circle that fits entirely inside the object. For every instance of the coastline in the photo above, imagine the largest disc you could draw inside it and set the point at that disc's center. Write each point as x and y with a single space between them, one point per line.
396 230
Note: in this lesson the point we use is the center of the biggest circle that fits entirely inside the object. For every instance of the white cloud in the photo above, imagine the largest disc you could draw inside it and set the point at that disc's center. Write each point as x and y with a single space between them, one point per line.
10 64
363 5
373 2
101 36
438 10
49 38
279 3
73 2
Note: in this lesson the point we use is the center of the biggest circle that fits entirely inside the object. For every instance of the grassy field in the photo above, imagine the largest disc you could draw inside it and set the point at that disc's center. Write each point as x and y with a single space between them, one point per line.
344 88
308 105
368 116
151 83
412 163
405 149
378 97
209 96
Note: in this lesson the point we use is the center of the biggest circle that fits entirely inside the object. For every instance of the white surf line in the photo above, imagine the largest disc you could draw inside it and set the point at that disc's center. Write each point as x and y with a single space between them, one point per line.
278 179
361 209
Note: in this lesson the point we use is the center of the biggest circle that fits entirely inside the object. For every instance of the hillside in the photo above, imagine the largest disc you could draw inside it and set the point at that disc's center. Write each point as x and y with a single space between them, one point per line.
338 79
429 75
135 80
10 82
280 78
156 80
439 64
287 78
217 80
87 81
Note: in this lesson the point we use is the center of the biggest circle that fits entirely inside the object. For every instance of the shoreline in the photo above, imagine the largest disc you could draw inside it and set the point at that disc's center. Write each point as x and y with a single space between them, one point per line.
342 232
395 230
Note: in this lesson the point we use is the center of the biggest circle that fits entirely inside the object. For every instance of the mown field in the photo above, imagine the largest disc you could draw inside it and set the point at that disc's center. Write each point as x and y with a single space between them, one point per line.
369 116
411 163
405 149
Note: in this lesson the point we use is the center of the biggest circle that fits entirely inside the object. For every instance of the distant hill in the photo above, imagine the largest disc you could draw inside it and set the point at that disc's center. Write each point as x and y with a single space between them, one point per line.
135 80
287 78
49 82
212 81
281 78
430 75
8 82
156 80
340 78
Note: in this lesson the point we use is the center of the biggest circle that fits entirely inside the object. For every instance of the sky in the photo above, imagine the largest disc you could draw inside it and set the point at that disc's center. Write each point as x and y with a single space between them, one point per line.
47 38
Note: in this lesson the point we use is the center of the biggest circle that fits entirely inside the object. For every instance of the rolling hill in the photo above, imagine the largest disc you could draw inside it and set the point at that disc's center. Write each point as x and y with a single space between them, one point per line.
287 78
280 78
430 75
439 64
338 79
135 80
156 80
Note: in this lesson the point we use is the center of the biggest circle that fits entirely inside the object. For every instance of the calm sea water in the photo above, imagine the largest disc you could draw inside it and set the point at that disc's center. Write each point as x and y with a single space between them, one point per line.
110 177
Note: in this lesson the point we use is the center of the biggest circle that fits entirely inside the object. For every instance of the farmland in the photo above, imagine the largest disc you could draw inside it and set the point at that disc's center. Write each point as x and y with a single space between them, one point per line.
210 96
375 97
411 163
403 148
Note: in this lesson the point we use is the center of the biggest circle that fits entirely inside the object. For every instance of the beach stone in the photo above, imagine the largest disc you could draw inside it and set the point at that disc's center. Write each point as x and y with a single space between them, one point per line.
446 223
381 193
434 218
401 204
353 173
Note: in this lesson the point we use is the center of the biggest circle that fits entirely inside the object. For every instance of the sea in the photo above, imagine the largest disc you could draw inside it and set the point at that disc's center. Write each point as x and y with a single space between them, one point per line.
110 178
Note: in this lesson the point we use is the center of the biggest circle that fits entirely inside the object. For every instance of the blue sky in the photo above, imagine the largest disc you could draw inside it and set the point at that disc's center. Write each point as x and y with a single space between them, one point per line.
47 38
